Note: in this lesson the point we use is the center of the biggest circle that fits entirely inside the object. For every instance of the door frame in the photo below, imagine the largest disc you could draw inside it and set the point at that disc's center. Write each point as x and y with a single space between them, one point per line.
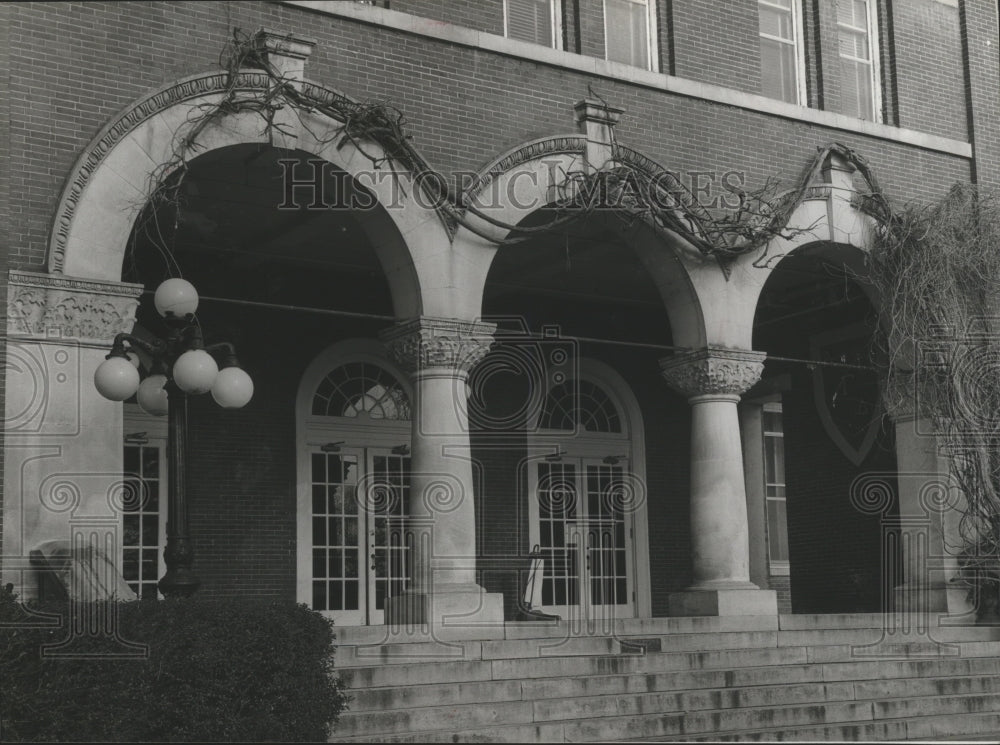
362 433
583 445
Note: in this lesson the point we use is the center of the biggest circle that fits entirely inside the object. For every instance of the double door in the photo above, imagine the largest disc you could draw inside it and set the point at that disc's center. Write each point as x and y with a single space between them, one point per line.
359 552
584 527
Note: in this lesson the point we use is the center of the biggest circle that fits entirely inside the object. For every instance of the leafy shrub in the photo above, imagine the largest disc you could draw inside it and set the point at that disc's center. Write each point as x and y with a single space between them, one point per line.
232 670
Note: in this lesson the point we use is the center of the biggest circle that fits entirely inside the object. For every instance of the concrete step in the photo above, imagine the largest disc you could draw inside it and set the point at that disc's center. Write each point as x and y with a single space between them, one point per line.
716 720
976 727
429 718
412 672
518 733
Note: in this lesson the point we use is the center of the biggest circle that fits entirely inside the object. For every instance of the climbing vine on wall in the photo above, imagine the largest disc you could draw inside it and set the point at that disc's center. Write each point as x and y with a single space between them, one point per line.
630 194
936 270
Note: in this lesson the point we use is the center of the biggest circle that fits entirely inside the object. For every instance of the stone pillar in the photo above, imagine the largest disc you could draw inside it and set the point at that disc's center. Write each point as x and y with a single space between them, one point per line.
597 120
713 379
930 507
439 353
63 441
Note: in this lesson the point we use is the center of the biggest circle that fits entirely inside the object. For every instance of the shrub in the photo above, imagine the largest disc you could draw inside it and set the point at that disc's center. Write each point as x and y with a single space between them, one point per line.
232 670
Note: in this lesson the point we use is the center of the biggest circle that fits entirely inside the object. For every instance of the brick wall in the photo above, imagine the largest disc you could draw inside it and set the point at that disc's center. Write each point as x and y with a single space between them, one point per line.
980 41
75 65
716 44
928 52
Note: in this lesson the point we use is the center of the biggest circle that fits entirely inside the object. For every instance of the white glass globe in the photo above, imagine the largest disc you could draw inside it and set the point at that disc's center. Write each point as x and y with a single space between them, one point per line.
116 379
175 297
195 371
152 396
134 359
233 388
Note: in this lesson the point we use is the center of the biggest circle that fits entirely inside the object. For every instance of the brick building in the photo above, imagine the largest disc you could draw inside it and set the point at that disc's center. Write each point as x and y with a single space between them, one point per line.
639 400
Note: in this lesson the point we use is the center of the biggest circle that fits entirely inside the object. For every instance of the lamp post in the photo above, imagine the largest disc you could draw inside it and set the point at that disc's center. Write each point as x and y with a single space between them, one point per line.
181 365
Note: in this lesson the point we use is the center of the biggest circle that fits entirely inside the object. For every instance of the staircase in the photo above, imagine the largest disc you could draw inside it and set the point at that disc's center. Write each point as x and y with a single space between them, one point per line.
836 677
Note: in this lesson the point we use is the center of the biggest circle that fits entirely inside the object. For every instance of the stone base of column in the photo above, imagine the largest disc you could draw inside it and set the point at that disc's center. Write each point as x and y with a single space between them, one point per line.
739 601
460 606
932 597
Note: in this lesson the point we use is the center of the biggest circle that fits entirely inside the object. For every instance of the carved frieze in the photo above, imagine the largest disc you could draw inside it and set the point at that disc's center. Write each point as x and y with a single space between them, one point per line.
713 371
449 343
44 305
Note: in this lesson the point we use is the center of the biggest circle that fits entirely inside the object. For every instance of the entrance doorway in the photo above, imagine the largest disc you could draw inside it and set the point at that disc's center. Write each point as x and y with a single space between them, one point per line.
354 484
587 499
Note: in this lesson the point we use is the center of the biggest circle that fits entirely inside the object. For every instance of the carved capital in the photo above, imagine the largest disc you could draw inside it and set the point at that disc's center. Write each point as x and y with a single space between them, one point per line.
448 343
713 371
46 305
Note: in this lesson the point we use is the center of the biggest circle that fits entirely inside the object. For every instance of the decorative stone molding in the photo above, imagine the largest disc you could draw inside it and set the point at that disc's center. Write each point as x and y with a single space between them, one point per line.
448 343
560 145
187 89
45 305
713 371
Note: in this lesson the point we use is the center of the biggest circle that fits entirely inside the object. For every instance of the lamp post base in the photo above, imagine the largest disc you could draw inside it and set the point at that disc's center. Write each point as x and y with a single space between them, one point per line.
179 583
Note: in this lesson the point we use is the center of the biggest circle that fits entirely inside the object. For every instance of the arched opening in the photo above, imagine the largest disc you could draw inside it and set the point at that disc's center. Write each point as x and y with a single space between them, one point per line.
811 429
281 282
568 304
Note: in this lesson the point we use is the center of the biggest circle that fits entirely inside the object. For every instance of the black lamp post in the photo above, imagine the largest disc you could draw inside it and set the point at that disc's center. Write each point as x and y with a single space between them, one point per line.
181 365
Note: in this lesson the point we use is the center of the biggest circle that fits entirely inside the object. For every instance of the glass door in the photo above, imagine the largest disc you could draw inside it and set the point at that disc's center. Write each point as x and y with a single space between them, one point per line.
585 537
359 498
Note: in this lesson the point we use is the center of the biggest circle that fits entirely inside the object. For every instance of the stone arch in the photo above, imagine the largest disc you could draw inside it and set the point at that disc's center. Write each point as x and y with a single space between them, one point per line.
523 180
109 183
826 222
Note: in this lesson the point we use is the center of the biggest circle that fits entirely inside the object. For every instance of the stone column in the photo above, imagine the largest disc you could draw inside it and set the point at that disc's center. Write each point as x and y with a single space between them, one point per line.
63 441
713 379
930 507
439 353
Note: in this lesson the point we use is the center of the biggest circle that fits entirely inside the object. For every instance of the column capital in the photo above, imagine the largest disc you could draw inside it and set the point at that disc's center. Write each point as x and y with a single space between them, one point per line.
46 306
713 371
449 343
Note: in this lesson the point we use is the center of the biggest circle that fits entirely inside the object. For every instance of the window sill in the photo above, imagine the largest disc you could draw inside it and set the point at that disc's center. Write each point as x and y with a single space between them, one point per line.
591 65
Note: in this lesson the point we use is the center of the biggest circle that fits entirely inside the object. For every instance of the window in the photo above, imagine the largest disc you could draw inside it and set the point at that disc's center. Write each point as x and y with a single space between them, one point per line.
535 21
859 89
629 29
361 389
782 60
579 405
774 488
144 503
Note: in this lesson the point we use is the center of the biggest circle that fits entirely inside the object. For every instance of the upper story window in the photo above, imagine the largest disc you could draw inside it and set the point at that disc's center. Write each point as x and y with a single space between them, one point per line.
857 29
782 59
535 21
629 31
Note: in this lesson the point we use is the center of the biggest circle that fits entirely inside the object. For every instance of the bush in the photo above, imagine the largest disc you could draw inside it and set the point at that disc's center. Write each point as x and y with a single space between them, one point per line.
216 671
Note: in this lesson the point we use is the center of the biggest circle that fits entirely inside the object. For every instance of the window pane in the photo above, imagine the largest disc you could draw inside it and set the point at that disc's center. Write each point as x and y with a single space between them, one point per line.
627 35
777 71
530 20
776 22
777 530
856 89
778 55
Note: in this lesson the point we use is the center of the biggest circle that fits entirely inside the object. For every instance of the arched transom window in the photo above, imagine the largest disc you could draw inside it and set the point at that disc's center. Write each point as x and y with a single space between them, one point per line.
361 389
580 405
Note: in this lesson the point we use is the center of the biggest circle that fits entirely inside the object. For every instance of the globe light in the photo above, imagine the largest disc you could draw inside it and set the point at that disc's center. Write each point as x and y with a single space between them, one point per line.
116 379
133 358
195 371
152 396
233 388
175 297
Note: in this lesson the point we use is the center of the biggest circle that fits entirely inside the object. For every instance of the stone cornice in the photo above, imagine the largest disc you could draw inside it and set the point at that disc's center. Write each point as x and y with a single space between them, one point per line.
46 305
713 371
438 343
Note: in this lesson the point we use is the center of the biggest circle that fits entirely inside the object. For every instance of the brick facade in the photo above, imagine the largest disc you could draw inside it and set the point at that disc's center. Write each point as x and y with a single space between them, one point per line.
66 69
